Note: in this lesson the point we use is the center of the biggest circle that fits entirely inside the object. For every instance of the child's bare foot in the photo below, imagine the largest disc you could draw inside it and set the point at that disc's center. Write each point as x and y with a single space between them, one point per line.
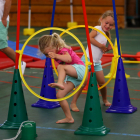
56 85
107 103
74 108
66 120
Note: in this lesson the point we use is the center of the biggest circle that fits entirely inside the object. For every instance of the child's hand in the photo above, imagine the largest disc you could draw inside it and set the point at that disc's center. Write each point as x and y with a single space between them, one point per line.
51 55
103 48
109 47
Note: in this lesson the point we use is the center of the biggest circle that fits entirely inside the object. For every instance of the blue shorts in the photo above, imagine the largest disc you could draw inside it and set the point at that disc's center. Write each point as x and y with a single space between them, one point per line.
3 35
80 69
97 66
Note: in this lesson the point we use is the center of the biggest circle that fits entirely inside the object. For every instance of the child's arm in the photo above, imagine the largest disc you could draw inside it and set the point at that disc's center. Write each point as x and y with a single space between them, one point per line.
6 11
65 57
109 47
92 35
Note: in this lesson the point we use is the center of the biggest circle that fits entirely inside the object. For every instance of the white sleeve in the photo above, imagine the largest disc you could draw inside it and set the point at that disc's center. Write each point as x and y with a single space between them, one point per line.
99 28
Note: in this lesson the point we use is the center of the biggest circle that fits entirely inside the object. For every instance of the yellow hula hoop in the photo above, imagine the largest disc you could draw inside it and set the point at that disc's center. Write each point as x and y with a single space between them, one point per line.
115 53
20 57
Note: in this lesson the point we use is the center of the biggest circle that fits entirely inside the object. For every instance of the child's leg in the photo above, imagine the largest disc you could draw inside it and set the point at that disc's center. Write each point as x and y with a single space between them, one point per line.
73 105
9 52
64 104
101 81
63 70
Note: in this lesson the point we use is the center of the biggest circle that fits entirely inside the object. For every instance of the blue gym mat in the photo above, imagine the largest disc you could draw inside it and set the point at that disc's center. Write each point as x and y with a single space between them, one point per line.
30 51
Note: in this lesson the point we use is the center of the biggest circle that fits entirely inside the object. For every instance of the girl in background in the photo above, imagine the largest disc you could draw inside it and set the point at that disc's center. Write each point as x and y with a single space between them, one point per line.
98 47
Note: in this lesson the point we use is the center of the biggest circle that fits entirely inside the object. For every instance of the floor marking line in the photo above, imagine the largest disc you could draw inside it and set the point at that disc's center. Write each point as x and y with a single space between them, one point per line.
111 133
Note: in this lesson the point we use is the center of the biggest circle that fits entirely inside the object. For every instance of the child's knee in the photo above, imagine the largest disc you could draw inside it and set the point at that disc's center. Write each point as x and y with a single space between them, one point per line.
85 83
3 50
101 84
59 66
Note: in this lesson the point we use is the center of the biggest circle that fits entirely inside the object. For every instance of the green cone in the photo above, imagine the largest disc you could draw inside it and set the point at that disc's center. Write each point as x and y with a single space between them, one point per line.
92 123
28 131
17 109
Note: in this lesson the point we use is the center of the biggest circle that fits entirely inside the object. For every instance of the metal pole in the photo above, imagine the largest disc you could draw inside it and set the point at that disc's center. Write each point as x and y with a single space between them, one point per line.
71 10
29 15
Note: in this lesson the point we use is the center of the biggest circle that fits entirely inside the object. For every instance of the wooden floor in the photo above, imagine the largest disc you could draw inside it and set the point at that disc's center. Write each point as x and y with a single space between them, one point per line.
122 126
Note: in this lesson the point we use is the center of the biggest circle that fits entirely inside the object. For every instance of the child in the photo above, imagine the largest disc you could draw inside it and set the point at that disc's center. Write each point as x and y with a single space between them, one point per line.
98 42
5 6
71 69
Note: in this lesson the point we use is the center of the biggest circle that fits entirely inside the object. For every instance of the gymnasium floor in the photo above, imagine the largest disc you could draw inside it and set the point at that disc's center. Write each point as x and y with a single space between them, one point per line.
122 126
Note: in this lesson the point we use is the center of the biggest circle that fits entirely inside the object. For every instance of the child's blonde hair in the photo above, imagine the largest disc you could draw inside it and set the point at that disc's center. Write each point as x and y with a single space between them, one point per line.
53 40
106 14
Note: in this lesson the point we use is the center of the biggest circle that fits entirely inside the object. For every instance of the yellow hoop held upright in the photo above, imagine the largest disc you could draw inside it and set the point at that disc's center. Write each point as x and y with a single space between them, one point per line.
20 57
115 53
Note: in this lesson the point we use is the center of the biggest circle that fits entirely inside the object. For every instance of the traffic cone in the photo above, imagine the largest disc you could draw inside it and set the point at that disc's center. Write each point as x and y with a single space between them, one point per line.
121 101
47 91
86 87
113 63
17 109
92 123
